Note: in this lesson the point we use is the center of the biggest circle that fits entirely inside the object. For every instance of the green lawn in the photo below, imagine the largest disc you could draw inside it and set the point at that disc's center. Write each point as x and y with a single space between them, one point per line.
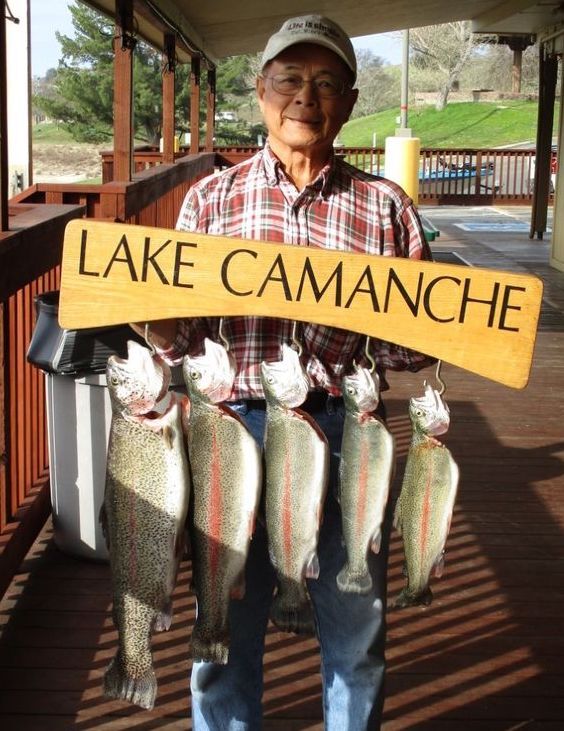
465 124
50 132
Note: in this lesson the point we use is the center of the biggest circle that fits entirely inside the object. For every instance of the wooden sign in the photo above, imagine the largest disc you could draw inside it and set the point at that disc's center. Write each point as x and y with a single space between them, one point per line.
483 320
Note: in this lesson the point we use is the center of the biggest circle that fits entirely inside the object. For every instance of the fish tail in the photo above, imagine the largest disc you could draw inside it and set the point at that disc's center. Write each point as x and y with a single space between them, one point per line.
292 617
118 684
353 582
408 599
210 647
163 620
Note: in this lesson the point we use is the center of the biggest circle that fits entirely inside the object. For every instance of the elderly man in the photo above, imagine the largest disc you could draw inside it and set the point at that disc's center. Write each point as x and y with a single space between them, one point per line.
297 191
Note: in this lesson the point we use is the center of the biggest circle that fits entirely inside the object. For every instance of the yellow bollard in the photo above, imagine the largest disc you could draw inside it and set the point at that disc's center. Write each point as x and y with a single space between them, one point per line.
402 163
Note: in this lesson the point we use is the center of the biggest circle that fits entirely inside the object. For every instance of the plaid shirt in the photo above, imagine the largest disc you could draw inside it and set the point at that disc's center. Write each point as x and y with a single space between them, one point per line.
344 209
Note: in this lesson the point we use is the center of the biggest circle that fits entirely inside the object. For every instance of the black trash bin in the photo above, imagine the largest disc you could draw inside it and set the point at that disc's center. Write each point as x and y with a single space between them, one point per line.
78 421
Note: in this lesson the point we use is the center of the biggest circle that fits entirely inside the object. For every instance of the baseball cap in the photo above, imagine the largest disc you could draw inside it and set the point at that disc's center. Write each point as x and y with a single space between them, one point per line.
311 29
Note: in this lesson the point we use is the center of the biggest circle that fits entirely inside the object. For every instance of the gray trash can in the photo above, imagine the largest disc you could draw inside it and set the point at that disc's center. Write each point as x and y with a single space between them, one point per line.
78 422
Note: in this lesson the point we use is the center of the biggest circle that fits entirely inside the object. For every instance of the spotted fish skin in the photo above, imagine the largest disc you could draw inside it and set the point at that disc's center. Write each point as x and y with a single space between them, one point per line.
143 515
297 467
365 472
226 466
424 508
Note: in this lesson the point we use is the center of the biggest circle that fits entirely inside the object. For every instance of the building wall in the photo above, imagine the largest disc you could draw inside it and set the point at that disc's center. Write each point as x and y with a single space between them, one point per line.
18 68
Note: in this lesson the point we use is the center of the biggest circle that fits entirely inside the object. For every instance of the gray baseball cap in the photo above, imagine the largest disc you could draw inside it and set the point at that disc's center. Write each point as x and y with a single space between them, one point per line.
311 29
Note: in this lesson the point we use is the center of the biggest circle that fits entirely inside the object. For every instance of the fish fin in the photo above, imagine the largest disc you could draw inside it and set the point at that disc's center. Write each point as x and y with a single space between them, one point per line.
168 436
312 567
140 691
376 542
352 583
103 518
439 566
408 599
209 649
163 619
298 618
237 591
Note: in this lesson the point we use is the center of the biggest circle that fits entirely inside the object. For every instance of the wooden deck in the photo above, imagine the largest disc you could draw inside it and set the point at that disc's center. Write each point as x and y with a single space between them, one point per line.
485 656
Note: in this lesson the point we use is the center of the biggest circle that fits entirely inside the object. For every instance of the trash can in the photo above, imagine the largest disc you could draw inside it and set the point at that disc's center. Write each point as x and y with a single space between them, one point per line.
78 422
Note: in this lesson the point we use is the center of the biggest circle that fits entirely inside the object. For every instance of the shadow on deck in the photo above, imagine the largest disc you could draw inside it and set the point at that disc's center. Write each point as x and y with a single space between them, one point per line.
486 655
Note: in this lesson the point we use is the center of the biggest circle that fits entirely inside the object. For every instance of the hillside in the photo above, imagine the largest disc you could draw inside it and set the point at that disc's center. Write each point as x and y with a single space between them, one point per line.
466 124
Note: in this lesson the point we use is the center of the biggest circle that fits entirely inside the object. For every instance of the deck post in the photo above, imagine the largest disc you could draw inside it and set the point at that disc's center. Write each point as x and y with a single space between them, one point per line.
3 124
169 74
195 105
124 43
210 112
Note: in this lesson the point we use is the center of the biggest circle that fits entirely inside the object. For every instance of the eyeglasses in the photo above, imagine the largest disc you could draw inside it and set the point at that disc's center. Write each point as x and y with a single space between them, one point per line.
326 86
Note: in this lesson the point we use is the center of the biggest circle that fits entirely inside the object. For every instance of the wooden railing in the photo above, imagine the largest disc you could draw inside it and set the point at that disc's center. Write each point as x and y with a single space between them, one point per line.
30 255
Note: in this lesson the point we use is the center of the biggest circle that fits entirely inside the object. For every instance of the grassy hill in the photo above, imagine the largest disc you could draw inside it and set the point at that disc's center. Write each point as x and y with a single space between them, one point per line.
465 124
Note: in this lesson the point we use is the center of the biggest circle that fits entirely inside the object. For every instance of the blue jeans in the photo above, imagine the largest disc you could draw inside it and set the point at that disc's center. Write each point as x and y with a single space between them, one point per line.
350 627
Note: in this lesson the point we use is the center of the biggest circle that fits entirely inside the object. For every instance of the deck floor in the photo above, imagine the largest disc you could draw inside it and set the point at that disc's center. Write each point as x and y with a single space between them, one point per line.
485 656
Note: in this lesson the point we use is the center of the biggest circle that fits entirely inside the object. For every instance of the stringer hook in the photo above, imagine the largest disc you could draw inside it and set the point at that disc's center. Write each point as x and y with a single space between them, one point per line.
368 355
148 339
295 342
221 334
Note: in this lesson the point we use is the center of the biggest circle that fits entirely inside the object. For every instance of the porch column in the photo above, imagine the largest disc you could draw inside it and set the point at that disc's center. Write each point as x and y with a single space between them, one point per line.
168 98
3 125
210 114
195 105
557 252
548 67
124 43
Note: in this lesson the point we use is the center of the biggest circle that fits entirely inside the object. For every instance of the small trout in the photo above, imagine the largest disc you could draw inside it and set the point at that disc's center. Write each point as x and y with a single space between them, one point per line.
297 467
143 514
424 508
227 476
365 473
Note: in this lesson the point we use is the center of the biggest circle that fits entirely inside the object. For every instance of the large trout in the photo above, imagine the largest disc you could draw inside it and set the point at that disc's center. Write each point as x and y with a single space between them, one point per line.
365 473
227 476
424 508
143 514
297 467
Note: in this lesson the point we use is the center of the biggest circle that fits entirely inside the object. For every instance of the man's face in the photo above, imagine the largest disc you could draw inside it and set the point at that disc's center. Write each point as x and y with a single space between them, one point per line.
305 121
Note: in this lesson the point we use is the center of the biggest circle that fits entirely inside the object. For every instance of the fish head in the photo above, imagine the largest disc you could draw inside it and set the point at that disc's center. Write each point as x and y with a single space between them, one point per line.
137 383
209 377
361 391
285 381
429 414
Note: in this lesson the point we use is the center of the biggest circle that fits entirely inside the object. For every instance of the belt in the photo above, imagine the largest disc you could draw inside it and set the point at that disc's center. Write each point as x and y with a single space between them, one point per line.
315 401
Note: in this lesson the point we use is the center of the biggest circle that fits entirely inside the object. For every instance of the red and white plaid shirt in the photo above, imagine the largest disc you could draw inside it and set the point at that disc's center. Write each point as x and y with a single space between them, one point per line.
344 209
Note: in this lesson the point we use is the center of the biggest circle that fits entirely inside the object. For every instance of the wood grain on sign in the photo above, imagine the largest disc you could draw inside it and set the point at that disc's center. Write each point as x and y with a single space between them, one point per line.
483 320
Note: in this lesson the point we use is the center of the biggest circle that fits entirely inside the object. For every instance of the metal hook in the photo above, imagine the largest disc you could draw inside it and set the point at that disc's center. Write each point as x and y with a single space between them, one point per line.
295 342
368 355
222 335
439 379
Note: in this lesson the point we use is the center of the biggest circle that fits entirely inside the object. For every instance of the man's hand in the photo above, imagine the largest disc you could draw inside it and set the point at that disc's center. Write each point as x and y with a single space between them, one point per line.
161 333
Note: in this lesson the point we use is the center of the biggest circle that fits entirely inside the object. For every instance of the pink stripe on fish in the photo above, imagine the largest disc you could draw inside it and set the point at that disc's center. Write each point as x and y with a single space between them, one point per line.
287 511
215 509
362 483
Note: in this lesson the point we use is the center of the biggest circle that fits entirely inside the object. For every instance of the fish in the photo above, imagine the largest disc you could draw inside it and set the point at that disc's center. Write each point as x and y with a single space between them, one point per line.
226 464
424 507
297 467
143 515
366 471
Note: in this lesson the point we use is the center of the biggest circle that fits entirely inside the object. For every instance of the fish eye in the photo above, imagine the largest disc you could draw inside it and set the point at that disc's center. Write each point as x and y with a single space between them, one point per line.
351 390
114 380
419 412
270 379
194 375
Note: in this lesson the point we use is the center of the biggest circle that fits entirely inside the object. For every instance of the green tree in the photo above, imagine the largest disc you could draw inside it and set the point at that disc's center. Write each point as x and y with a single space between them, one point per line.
378 86
82 91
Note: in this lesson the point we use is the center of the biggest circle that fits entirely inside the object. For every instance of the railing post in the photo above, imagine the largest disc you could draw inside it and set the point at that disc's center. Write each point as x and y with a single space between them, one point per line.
168 98
195 105
4 427
124 43
210 112
3 124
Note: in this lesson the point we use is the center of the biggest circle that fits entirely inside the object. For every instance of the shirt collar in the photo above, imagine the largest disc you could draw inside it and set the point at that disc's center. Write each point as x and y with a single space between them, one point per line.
274 171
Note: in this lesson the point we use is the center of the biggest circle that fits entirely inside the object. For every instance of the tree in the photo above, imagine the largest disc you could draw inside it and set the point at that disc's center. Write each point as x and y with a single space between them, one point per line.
444 49
82 91
378 86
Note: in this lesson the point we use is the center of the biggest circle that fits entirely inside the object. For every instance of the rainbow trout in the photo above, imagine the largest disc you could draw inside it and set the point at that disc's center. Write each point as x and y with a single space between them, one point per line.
227 476
424 508
143 514
297 467
365 473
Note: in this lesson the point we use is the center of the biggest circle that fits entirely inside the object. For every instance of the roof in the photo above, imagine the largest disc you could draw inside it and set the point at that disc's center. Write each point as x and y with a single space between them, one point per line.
220 28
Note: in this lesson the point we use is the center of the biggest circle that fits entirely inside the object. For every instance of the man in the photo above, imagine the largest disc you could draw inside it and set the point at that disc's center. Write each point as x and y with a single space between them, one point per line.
297 191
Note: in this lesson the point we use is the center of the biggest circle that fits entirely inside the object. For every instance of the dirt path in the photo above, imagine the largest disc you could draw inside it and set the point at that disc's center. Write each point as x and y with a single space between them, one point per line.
66 163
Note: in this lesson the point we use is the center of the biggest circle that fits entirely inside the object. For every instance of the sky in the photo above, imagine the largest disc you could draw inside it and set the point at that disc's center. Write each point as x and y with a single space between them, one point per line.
48 17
